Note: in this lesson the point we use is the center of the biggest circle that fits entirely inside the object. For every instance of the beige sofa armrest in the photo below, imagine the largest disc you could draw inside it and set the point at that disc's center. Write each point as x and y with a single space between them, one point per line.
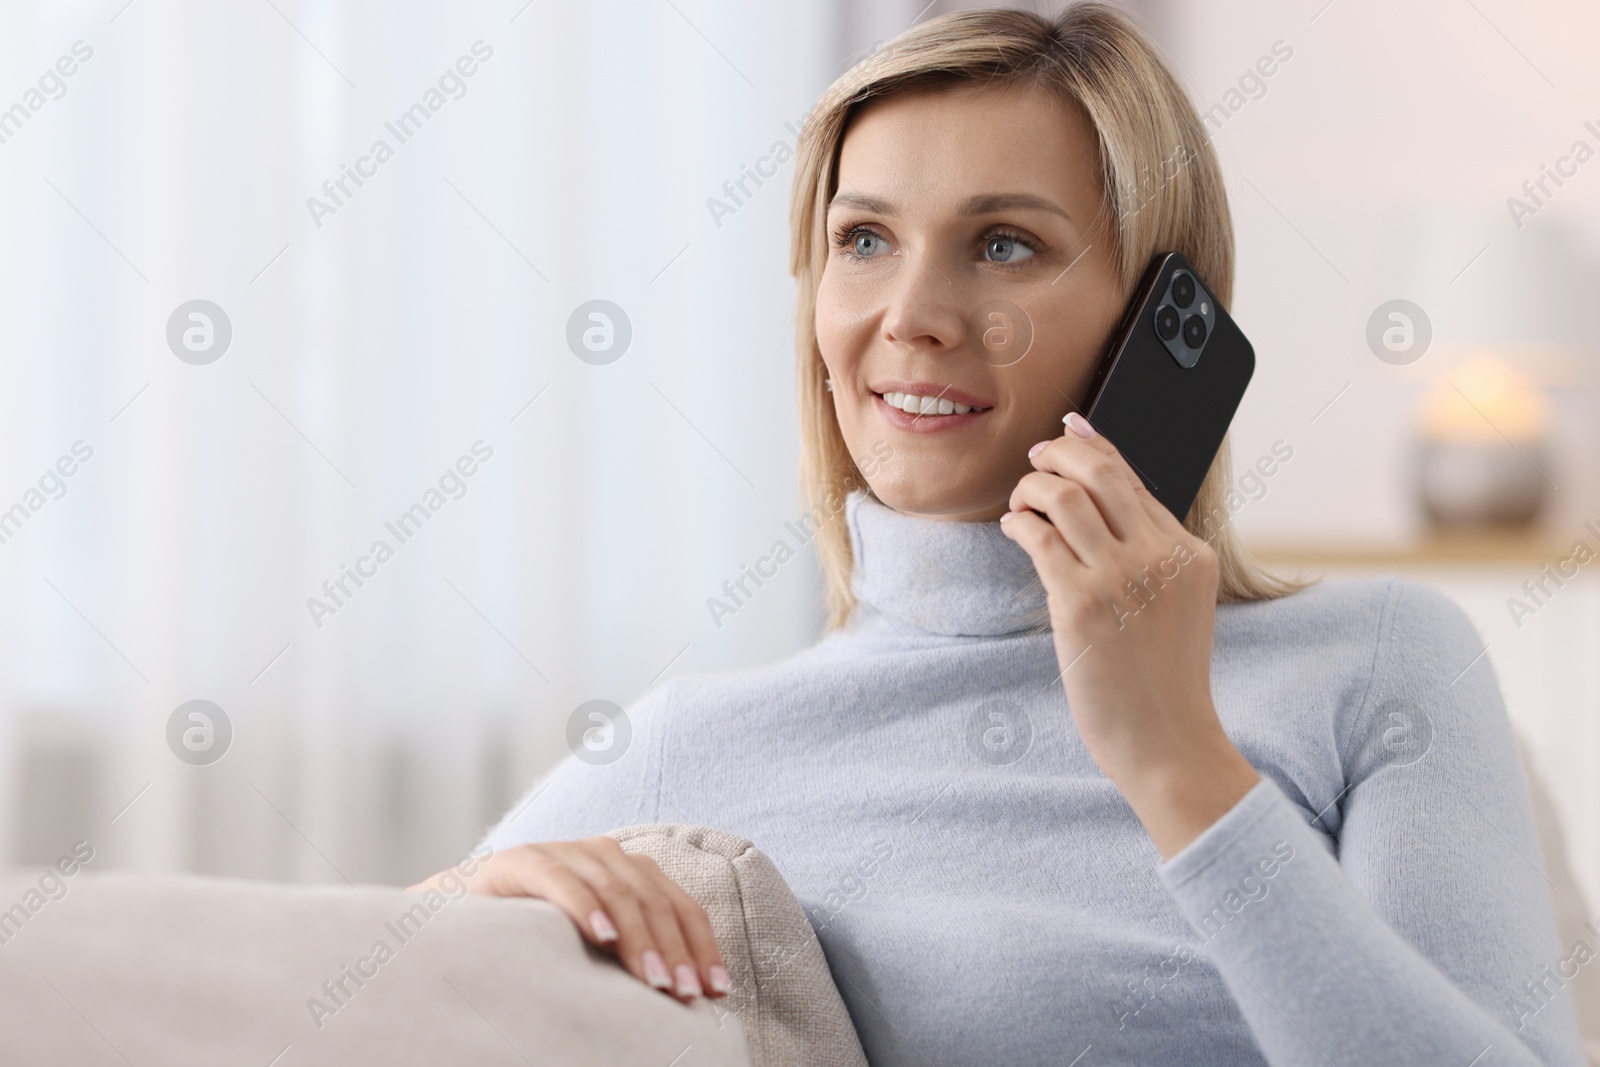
181 970
782 989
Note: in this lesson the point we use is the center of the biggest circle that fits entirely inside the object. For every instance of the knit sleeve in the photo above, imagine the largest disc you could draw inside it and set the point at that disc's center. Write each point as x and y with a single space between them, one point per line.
591 791
1425 933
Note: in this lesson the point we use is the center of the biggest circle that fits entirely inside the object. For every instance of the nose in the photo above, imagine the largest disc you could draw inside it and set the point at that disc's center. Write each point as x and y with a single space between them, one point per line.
925 309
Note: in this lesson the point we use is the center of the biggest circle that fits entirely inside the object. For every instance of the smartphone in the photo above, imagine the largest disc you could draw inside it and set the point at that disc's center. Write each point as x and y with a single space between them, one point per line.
1173 376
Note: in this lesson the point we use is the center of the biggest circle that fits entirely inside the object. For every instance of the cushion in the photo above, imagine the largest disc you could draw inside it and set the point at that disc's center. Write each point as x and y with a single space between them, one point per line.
782 992
115 968
186 970
181 970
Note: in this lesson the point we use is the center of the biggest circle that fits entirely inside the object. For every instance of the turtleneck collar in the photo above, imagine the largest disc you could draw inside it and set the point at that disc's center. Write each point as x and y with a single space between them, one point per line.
951 578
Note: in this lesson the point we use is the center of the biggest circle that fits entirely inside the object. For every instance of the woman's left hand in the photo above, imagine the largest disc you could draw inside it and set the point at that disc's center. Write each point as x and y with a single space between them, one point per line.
1132 598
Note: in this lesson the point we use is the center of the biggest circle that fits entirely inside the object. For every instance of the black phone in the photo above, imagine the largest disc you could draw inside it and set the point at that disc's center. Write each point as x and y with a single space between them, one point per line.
1170 382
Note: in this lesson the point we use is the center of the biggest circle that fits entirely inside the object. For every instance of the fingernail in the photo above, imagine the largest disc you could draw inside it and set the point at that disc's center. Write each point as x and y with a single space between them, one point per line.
603 930
1036 449
719 978
655 969
1007 516
688 981
1078 424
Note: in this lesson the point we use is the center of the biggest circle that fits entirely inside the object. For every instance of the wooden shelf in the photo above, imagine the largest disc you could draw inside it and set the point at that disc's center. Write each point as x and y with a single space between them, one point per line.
1533 547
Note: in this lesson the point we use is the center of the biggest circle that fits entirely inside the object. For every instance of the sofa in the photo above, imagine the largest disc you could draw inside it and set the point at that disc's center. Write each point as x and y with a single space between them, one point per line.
118 969
122 969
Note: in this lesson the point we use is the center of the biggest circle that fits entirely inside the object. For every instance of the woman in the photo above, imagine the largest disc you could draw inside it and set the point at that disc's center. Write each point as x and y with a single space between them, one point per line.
1064 774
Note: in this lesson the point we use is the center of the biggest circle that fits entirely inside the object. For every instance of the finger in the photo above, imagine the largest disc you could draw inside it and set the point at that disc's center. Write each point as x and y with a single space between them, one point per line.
1102 470
1159 513
534 875
1051 556
663 917
1078 428
636 944
480 879
698 934
1071 509
672 960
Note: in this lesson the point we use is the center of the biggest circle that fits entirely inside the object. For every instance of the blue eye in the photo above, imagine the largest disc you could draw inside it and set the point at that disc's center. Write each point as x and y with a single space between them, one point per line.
858 242
1002 248
868 243
863 243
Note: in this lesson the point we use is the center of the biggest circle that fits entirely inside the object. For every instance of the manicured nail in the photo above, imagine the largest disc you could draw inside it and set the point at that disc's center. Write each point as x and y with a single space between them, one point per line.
655 969
601 925
719 979
1078 424
1006 517
1036 449
688 981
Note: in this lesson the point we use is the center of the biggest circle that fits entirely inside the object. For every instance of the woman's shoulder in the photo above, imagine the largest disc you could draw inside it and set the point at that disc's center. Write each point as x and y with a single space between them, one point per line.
765 680
1376 664
1398 622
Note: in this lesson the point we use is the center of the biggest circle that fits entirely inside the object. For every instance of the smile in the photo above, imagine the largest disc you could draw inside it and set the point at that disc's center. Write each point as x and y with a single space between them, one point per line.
912 404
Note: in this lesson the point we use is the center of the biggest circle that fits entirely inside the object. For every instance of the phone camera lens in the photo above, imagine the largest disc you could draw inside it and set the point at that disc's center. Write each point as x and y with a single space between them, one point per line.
1194 331
1167 322
1182 290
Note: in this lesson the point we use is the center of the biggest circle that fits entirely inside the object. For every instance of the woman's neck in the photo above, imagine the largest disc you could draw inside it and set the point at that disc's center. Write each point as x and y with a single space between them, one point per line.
942 577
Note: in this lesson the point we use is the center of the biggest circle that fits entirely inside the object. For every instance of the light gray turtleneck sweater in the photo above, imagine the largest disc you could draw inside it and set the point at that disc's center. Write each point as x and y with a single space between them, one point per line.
984 894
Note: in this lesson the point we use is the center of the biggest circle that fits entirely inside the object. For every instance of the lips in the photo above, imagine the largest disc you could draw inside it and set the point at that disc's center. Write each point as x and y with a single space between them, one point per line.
931 423
928 398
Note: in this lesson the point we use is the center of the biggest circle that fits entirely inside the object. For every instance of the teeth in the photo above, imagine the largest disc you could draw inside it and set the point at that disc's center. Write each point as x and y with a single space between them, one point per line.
924 405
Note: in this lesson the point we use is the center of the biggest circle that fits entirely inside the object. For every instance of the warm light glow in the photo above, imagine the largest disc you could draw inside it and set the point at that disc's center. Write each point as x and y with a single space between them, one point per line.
1481 399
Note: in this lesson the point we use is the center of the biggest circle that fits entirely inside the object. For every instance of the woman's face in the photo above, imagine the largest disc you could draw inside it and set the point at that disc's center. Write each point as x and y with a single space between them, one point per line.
969 263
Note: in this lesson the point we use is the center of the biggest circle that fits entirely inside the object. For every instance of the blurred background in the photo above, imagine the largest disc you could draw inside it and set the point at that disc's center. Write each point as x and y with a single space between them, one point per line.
240 342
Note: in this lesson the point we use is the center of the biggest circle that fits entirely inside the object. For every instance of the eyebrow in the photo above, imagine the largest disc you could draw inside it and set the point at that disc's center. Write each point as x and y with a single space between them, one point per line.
977 205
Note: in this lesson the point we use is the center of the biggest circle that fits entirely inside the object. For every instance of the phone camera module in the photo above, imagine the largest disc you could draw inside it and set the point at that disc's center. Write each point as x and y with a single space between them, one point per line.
1182 290
1185 316
1167 322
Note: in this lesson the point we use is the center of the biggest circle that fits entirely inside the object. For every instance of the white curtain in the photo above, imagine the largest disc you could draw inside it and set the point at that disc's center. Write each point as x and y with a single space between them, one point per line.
558 153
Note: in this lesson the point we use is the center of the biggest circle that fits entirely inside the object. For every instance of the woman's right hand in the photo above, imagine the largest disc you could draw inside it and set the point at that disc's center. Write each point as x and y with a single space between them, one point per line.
619 902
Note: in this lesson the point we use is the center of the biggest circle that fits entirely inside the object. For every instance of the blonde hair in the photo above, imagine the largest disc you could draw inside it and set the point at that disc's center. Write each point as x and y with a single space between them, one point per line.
1161 184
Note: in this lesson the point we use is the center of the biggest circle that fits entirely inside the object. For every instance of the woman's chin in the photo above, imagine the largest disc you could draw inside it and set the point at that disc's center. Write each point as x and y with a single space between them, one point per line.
931 496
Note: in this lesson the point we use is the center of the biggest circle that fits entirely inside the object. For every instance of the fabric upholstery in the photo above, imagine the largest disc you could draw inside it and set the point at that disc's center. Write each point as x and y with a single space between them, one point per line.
782 989
178 970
